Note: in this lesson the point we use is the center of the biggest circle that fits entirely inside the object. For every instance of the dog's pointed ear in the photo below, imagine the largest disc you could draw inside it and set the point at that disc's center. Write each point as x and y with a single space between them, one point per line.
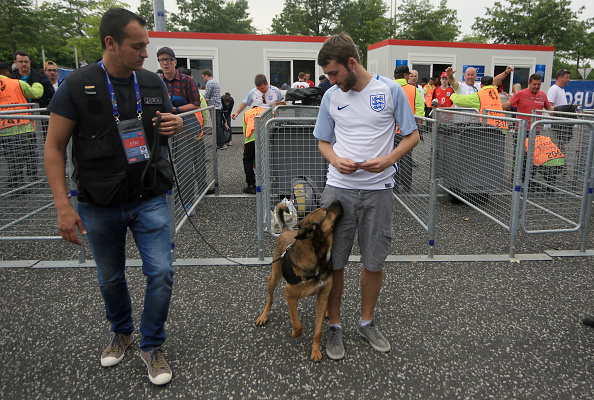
306 233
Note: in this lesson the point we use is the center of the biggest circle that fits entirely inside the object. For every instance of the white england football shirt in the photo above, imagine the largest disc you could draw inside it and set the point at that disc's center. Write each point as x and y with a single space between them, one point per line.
265 100
363 125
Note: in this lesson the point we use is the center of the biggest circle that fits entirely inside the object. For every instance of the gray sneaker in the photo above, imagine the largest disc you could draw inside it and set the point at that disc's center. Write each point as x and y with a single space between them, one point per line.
334 347
159 372
114 353
375 337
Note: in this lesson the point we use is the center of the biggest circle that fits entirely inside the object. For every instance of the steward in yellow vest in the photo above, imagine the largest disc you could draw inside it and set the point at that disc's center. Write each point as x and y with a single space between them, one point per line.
486 99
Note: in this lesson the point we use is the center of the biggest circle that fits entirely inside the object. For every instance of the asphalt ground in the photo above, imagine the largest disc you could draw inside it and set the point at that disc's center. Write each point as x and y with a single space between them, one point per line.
462 329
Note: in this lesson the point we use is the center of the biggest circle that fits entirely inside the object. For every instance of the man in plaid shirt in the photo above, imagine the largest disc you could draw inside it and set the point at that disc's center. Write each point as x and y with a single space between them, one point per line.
212 95
182 88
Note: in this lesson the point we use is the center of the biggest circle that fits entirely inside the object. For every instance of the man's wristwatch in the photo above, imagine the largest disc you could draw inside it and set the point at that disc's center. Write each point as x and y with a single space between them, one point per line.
177 110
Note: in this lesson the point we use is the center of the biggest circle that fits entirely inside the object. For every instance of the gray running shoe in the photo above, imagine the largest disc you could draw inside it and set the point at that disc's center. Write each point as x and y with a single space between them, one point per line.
159 372
334 347
375 337
114 353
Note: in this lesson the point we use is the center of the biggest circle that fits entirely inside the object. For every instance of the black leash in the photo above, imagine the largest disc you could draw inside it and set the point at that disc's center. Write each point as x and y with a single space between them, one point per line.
188 216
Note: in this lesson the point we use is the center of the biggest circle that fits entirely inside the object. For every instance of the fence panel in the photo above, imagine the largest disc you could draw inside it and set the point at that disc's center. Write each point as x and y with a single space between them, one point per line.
556 189
193 152
285 149
27 211
480 164
476 161
415 180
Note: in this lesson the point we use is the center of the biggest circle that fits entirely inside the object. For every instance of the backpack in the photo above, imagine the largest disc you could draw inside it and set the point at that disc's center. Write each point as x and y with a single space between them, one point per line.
311 96
304 195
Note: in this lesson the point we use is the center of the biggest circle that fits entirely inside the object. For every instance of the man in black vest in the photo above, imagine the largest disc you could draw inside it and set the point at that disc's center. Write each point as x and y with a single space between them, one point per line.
108 109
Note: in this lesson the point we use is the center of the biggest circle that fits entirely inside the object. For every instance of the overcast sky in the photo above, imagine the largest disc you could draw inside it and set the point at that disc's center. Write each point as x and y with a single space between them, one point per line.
262 11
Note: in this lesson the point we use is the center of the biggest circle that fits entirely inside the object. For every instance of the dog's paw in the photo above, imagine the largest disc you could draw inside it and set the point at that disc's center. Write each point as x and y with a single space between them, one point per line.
262 320
316 355
296 332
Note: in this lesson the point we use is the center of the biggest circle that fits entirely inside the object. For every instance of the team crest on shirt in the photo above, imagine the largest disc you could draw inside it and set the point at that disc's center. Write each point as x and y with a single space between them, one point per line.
377 102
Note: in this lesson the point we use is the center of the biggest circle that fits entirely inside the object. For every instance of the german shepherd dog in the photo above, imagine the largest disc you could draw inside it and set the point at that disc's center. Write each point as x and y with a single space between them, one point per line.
302 257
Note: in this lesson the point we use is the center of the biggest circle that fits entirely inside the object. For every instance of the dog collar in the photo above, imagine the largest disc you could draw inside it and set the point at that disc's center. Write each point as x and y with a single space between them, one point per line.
289 274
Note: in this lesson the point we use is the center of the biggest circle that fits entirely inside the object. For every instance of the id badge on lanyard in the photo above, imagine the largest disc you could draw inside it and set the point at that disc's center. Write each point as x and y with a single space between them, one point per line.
133 138
131 131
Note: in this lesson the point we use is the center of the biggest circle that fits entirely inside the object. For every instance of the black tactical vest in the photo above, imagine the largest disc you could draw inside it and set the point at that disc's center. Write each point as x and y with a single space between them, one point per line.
102 172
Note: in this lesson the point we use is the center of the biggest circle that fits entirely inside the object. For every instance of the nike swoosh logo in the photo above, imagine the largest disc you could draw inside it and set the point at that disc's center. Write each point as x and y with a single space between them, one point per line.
343 107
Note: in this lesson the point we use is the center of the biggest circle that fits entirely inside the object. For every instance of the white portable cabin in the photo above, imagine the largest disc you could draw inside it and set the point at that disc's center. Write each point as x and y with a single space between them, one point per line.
236 59
432 58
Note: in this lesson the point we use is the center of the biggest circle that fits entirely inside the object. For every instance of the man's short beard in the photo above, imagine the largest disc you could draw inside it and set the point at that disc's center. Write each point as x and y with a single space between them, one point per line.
349 82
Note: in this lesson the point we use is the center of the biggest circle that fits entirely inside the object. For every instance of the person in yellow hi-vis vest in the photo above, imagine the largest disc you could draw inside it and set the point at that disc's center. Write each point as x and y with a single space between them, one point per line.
428 91
547 160
486 99
403 176
18 135
249 148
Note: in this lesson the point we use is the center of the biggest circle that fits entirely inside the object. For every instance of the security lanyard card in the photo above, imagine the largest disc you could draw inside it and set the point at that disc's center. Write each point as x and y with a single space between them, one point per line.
133 139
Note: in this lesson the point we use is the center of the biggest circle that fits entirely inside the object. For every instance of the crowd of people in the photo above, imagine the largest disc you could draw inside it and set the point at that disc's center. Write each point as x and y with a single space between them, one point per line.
115 101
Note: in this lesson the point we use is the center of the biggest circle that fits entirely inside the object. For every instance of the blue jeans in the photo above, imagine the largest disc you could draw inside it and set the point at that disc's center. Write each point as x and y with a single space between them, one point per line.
148 219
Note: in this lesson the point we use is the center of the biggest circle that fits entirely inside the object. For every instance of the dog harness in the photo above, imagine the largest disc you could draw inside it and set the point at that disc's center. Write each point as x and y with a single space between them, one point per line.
289 274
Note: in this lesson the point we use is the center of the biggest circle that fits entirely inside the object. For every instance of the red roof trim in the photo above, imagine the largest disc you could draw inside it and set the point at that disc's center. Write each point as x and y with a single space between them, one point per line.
463 45
233 36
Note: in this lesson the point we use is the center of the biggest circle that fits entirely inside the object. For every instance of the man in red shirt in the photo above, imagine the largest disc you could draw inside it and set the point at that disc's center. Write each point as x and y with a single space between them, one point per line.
442 93
529 99
307 78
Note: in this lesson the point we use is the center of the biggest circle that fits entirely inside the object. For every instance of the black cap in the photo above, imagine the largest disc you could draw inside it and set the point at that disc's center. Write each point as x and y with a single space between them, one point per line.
167 50
487 80
402 69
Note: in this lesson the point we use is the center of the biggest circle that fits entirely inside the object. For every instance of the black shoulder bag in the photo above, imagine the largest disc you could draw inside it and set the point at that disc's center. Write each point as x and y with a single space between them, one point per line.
157 177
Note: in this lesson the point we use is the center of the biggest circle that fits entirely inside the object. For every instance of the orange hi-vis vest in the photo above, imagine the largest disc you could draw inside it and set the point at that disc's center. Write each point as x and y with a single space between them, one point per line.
544 150
490 100
410 92
11 93
250 120
200 118
428 95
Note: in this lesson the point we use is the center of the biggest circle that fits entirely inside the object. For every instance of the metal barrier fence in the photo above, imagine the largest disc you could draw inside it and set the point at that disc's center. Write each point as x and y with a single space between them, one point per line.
557 194
193 152
416 179
285 149
28 212
479 165
476 159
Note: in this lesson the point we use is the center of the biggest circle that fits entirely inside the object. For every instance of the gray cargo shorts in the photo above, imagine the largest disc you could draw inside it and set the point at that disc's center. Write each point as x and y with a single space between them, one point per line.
370 212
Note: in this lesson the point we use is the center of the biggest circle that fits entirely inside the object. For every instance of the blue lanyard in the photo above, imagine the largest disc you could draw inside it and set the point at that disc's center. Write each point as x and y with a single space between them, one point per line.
112 95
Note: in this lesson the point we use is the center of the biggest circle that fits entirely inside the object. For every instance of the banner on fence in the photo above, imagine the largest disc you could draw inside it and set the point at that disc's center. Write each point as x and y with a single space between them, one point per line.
580 92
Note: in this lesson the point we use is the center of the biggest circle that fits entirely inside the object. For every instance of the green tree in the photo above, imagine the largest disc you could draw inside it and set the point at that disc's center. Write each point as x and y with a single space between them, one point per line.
539 22
366 23
146 10
215 16
420 20
474 39
309 17
15 15
580 43
87 40
62 20
531 22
